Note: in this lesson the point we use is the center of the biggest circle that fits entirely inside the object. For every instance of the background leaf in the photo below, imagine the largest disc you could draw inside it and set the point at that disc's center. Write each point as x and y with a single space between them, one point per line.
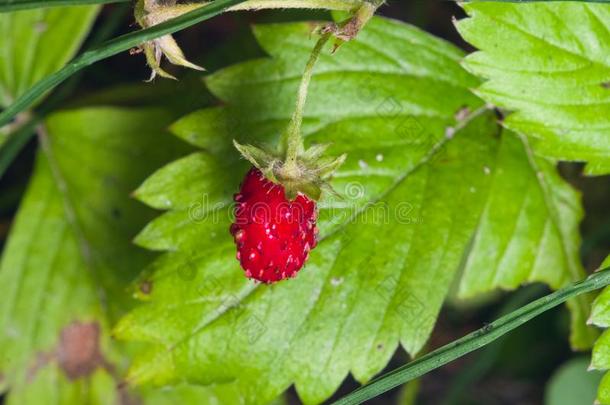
69 255
110 48
572 384
552 72
600 316
423 158
36 43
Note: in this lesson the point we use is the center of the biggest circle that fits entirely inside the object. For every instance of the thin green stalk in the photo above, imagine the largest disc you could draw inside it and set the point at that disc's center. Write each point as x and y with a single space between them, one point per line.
294 142
488 357
14 5
111 48
474 340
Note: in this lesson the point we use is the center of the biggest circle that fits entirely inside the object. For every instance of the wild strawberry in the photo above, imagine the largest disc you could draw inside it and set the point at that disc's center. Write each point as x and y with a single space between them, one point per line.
273 234
275 224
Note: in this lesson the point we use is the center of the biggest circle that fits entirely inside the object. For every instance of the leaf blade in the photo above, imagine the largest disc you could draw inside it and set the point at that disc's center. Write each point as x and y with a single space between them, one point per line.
69 254
27 45
414 155
550 72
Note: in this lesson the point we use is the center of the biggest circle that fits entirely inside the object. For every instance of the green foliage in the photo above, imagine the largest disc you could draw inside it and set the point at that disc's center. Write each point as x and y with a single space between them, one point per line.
36 43
69 254
551 71
600 316
572 384
427 165
435 194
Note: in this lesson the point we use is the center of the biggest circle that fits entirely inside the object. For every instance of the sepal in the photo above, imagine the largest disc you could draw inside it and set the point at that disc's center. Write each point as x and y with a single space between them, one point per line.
260 158
308 175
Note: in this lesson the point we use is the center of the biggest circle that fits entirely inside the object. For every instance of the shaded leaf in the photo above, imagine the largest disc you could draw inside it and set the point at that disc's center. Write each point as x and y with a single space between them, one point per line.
36 43
69 254
572 384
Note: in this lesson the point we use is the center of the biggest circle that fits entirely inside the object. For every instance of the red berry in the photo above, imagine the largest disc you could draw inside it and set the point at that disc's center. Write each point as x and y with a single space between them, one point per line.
273 235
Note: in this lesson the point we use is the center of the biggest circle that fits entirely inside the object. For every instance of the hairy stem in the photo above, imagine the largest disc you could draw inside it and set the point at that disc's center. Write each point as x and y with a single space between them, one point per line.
294 142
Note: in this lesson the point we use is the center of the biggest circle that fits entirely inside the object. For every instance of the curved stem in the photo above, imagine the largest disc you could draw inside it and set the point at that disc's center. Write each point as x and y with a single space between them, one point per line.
293 141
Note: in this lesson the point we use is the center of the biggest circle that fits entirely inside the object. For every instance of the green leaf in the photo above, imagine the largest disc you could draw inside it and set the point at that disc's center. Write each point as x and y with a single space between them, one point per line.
600 316
36 43
69 254
531 237
572 384
547 64
424 157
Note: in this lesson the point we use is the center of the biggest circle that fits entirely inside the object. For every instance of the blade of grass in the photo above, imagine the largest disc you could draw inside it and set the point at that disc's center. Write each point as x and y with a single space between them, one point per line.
110 48
488 356
474 340
14 5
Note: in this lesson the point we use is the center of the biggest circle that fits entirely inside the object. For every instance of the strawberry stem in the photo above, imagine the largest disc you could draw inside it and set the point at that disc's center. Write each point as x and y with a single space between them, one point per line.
293 139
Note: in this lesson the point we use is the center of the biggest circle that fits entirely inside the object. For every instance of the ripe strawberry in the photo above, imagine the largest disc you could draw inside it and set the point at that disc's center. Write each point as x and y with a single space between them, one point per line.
276 207
273 234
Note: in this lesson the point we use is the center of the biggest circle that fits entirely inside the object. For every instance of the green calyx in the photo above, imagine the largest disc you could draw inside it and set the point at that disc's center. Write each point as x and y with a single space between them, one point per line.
308 173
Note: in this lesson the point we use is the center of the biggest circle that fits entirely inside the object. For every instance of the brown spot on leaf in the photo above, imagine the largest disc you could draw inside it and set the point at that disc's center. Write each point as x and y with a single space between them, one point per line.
462 113
146 287
78 353
605 85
